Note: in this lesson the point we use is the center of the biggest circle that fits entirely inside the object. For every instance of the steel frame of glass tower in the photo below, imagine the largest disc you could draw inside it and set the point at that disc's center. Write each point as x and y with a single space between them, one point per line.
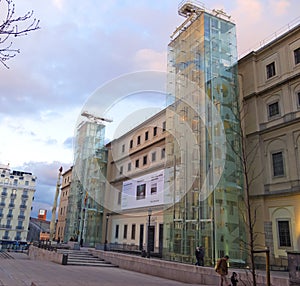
203 184
86 200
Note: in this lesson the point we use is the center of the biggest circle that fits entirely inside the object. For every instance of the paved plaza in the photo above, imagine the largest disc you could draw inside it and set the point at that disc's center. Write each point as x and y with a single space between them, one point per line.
21 271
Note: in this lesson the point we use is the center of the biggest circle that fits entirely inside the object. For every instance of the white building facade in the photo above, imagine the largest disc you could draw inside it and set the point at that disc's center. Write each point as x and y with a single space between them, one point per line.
17 193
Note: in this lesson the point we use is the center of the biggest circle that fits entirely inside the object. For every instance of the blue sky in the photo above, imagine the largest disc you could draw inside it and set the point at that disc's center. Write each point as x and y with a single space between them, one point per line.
82 45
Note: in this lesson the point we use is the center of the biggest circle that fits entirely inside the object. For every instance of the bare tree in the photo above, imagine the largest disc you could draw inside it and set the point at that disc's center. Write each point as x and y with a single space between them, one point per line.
13 26
246 153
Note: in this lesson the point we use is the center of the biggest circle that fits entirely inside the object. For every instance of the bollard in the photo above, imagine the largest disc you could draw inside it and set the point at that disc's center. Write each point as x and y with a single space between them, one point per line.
65 259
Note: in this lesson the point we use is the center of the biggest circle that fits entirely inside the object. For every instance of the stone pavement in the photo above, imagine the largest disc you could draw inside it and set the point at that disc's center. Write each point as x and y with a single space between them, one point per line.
21 271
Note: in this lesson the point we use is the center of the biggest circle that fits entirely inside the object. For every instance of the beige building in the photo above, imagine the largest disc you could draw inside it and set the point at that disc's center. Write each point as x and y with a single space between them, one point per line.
270 89
63 204
136 180
17 190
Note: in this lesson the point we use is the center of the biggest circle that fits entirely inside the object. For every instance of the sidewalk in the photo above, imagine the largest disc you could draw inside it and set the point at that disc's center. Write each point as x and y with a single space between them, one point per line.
22 271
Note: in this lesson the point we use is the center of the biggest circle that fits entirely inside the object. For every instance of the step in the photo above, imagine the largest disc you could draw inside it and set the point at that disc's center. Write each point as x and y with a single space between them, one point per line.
84 258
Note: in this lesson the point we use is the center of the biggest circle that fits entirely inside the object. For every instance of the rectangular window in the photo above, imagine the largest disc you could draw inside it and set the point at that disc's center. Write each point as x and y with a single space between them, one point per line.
123 148
133 228
154 131
163 153
146 135
164 126
271 70
129 167
284 233
117 231
273 109
297 56
138 140
125 231
144 160
277 160
298 98
137 163
131 144
119 198
121 170
153 156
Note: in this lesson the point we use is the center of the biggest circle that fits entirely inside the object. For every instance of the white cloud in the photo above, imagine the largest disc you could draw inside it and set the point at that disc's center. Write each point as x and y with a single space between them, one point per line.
58 4
148 59
248 11
279 7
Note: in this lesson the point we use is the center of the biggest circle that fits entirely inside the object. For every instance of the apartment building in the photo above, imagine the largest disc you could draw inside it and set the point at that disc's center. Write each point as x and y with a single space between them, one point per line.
270 90
134 197
63 204
17 193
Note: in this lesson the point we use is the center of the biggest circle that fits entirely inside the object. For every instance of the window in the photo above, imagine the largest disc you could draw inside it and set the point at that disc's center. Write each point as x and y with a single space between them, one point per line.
284 233
144 160
129 167
138 140
146 135
164 126
277 160
273 109
270 70
153 156
137 163
297 56
125 231
119 198
163 153
133 231
154 131
121 170
123 148
298 98
117 231
131 144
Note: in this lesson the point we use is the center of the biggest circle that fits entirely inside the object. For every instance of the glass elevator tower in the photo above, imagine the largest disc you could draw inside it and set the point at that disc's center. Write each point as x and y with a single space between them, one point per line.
203 185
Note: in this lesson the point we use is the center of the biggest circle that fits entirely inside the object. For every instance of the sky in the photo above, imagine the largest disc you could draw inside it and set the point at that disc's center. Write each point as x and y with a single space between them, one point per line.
81 47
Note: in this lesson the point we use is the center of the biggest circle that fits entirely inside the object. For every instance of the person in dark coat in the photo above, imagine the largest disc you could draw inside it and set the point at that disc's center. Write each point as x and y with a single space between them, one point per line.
234 279
201 256
197 254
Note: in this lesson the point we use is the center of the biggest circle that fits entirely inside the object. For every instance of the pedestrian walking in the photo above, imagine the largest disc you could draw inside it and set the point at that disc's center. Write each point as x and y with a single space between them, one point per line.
197 254
222 270
201 256
234 279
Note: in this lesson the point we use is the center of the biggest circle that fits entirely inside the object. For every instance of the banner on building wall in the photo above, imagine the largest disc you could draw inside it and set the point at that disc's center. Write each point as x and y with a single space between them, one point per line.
144 191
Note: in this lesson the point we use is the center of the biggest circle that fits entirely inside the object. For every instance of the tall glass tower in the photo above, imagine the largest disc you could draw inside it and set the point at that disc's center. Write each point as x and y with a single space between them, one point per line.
86 199
203 185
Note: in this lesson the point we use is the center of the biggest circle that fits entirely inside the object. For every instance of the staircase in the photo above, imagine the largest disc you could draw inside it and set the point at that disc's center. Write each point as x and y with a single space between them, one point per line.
84 258
5 255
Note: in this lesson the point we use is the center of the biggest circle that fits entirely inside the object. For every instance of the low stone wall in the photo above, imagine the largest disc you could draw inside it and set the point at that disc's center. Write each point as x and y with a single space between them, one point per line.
43 254
179 271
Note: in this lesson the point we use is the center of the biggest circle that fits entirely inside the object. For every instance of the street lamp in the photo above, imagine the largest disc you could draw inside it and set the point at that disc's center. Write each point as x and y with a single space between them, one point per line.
148 236
105 242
